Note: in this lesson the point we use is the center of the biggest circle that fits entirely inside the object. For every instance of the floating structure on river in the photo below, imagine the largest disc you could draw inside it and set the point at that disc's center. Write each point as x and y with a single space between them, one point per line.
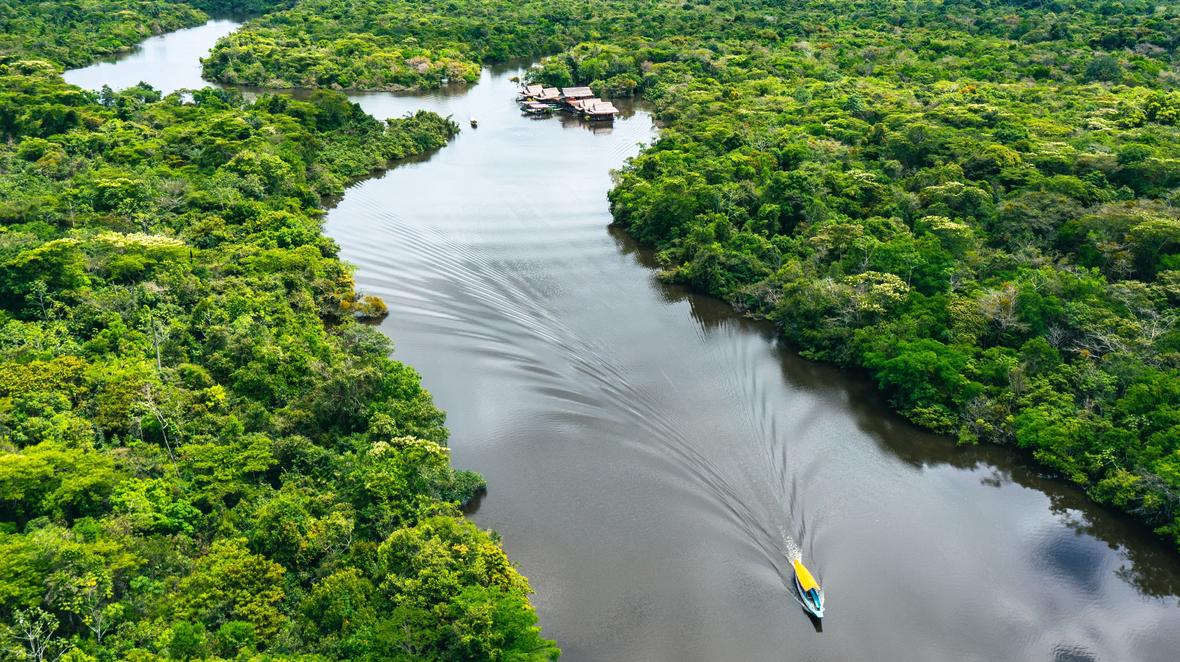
540 94
595 109
538 100
536 108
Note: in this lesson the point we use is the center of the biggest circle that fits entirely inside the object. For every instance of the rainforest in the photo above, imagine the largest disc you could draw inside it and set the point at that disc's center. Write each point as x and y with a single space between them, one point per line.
977 202
206 449
205 453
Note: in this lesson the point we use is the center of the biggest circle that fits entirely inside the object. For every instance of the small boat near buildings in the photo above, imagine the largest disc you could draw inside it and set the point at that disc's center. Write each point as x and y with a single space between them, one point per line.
536 108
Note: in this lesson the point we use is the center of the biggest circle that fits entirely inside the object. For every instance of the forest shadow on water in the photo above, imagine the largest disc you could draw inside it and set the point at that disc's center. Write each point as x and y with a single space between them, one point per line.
648 451
1150 565
630 483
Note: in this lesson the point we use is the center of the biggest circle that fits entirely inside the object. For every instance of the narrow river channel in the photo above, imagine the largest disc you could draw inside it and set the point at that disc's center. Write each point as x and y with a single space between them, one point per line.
647 452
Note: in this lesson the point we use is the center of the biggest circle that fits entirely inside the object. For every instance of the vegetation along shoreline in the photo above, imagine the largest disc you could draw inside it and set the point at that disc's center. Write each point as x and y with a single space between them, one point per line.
206 454
203 452
976 205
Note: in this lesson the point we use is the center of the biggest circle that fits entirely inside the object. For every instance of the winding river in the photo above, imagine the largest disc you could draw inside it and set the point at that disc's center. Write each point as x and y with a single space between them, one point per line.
647 452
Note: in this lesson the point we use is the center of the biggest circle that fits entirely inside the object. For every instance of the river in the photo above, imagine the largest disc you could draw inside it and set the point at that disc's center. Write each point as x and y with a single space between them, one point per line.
647 451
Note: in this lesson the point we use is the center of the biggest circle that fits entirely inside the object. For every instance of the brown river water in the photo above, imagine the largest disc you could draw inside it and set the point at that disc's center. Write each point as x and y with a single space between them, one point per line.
648 452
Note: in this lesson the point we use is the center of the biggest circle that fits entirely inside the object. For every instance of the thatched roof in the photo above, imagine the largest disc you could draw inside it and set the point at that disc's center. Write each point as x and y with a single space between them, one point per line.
600 107
576 92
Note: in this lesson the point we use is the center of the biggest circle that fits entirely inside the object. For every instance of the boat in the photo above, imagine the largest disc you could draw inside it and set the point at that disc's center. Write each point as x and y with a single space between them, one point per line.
474 123
810 593
536 108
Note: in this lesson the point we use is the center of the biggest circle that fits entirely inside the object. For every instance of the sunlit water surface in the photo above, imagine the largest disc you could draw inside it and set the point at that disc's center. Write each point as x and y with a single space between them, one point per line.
647 452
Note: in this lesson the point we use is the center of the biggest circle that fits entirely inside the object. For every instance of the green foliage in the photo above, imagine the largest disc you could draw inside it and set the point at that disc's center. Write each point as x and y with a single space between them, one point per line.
202 453
76 32
358 44
201 449
985 218
230 583
975 202
444 570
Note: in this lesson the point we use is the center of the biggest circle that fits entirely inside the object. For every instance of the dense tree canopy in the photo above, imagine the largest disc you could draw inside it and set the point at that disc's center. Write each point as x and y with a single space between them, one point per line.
75 32
978 202
995 238
203 453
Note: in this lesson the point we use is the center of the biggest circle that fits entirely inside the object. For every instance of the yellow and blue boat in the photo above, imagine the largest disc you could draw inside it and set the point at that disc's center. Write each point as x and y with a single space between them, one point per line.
810 592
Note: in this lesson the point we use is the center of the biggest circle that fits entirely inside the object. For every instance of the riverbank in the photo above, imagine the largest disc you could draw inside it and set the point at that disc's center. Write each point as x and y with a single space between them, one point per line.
968 223
86 32
644 448
667 443
211 457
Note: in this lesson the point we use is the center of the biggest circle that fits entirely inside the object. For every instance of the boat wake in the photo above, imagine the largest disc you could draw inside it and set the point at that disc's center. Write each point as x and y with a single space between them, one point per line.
493 287
793 553
791 550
